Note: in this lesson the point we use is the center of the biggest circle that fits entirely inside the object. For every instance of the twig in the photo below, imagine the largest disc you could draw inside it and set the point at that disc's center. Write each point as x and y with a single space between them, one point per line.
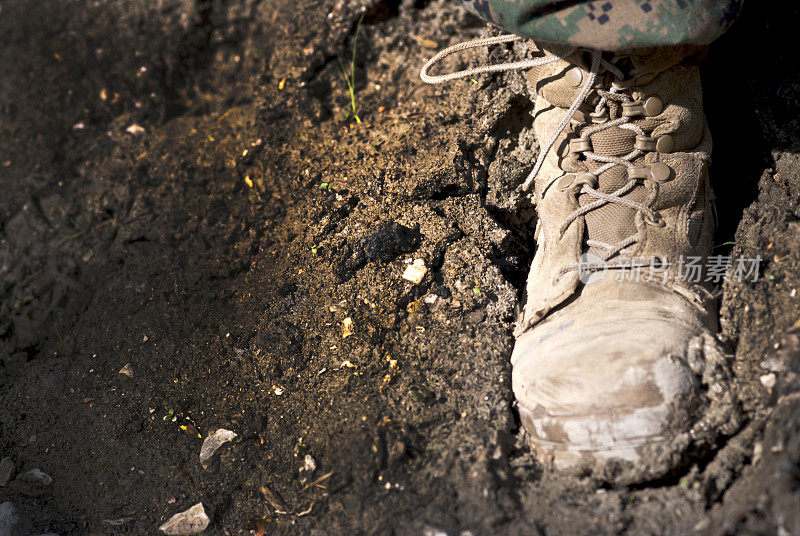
318 481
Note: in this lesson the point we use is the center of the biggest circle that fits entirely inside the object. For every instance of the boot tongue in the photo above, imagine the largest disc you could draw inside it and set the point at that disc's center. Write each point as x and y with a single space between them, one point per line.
612 222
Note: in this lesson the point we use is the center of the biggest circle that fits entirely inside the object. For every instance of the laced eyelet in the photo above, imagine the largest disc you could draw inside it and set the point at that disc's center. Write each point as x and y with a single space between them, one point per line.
599 117
587 179
565 181
645 143
658 222
578 145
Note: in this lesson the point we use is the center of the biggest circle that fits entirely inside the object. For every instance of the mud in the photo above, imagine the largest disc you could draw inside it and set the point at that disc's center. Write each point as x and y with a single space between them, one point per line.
187 197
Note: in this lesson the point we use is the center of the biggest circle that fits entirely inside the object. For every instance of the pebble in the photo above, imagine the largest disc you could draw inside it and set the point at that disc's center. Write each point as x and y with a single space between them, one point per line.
127 370
135 129
31 483
6 470
8 518
702 525
309 466
38 476
347 327
431 299
758 450
191 521
415 272
214 442
768 380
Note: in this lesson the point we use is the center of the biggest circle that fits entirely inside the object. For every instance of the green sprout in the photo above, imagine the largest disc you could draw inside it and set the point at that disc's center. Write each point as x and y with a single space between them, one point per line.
350 79
60 339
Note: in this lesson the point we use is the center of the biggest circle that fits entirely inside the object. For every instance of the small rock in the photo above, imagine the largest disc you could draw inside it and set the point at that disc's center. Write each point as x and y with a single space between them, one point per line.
768 380
347 327
135 129
191 521
6 470
8 518
117 522
38 476
31 483
127 370
476 317
415 272
214 442
702 525
307 471
758 450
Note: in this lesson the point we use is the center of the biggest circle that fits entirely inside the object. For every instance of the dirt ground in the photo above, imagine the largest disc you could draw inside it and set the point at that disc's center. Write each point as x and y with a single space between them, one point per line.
186 196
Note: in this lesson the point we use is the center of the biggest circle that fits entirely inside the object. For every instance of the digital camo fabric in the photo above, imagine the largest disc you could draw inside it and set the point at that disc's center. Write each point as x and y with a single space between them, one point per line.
611 24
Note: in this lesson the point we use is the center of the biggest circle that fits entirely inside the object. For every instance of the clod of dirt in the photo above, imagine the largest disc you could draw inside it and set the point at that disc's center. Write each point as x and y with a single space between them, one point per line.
213 442
6 470
191 521
386 243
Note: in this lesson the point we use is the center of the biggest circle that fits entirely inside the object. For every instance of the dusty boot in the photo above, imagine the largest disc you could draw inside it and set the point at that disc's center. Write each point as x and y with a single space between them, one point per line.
616 356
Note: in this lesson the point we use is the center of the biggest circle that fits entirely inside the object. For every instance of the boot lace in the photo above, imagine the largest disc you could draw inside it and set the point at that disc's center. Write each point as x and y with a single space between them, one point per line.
585 183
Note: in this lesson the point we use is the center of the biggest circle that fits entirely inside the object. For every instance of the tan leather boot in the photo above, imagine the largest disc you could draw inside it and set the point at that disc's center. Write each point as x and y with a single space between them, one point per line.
616 356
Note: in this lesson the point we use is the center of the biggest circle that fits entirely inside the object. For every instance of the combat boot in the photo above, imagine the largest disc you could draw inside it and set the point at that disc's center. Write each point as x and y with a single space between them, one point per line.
616 356
618 325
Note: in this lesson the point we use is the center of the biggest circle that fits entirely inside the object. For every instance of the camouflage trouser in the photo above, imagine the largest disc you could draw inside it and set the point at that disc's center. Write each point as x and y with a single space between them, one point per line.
611 24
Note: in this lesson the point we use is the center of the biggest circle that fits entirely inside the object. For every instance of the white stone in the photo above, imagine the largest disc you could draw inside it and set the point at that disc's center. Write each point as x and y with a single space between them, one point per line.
214 442
309 464
415 272
347 327
192 521
768 380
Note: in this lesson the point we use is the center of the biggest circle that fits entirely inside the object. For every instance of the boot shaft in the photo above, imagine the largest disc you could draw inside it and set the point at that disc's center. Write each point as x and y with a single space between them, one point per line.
625 183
